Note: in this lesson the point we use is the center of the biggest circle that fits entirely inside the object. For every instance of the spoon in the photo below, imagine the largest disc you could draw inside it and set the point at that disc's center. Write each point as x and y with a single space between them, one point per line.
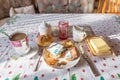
3 32
37 63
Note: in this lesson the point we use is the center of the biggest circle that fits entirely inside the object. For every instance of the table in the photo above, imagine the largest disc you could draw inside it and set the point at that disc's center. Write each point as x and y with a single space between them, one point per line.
105 25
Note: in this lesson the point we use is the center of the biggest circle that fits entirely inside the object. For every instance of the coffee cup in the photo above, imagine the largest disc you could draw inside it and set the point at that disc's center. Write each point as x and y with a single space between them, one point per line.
78 34
19 42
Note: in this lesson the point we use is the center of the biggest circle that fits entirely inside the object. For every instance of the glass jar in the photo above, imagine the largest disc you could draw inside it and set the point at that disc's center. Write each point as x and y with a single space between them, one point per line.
63 29
44 36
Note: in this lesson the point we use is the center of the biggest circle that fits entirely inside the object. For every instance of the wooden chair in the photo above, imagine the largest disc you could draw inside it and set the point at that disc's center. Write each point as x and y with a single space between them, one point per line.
100 6
108 6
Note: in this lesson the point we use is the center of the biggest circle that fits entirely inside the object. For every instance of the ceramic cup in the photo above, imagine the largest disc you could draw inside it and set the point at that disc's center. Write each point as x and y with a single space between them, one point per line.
19 42
78 34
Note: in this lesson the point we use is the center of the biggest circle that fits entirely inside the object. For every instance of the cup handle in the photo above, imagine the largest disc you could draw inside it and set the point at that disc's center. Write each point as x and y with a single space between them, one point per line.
85 35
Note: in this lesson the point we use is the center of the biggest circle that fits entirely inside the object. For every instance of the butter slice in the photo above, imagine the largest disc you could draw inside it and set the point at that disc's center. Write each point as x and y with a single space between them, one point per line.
99 45
55 50
68 54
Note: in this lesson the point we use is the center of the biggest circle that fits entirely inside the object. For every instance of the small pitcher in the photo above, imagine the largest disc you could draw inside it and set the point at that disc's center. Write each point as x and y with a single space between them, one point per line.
78 34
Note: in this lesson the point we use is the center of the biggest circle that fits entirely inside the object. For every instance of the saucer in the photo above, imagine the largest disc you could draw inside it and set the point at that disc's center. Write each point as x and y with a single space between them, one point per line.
32 52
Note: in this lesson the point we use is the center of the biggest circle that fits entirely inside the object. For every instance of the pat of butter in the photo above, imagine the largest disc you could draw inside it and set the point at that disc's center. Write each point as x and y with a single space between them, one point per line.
55 48
99 45
68 54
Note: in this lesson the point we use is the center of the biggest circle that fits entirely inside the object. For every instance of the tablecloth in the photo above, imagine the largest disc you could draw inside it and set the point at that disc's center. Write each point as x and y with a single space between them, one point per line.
105 25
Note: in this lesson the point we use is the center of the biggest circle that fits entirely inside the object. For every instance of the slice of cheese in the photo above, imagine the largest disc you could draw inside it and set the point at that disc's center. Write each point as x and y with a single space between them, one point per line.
99 45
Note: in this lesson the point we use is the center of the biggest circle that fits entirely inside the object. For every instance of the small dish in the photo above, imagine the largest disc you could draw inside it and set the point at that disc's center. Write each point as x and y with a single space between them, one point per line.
111 52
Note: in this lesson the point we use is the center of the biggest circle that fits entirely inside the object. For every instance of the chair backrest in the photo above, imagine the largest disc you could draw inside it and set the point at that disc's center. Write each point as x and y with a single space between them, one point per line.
65 6
108 6
5 6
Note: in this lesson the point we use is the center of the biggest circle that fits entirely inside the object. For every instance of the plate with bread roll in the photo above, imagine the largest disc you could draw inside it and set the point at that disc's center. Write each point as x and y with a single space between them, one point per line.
61 55
99 46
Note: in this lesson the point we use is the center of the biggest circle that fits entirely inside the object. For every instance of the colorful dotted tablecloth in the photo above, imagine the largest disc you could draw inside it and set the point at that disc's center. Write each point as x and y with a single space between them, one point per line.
106 25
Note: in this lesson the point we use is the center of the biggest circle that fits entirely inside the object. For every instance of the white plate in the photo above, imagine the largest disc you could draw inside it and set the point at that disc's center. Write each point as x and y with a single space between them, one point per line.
32 52
69 64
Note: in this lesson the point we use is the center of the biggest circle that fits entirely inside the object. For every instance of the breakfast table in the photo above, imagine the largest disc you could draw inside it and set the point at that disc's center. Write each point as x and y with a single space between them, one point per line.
22 68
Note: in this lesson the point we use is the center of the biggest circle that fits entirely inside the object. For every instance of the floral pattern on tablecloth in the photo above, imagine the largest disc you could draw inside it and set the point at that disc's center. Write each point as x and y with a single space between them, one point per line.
102 24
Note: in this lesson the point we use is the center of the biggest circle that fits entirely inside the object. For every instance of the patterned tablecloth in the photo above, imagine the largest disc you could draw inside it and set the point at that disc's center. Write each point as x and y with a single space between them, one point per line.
106 25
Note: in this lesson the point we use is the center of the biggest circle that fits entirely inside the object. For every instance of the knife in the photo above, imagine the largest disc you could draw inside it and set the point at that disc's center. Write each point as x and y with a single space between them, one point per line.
88 60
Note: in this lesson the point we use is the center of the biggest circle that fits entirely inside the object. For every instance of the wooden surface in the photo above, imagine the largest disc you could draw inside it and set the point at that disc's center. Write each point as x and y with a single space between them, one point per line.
108 6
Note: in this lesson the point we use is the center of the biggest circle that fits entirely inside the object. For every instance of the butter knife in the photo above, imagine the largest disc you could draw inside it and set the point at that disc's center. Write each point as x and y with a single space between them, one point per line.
88 60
